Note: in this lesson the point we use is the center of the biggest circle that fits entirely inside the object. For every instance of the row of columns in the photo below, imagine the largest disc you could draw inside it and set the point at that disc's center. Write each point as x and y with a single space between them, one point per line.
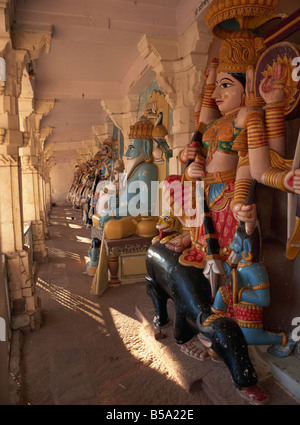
24 167
25 193
179 64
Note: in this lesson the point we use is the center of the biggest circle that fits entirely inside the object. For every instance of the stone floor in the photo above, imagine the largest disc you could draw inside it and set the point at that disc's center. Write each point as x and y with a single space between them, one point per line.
99 351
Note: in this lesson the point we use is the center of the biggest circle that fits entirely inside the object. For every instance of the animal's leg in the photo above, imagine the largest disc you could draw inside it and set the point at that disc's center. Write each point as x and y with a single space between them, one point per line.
159 299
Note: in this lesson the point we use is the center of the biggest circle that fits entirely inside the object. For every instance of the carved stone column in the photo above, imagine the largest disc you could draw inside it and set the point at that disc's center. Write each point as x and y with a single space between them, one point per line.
123 113
11 219
16 48
31 205
179 64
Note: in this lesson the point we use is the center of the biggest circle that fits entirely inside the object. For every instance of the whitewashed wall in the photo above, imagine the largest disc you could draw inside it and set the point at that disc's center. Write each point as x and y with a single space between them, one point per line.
61 179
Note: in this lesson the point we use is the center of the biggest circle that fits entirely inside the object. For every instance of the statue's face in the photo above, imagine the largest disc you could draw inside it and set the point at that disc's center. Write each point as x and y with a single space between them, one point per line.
135 154
237 248
105 151
135 149
228 93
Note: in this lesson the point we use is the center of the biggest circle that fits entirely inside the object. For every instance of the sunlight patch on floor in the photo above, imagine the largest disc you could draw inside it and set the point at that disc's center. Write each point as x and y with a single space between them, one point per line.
135 345
83 240
57 223
63 253
74 226
74 302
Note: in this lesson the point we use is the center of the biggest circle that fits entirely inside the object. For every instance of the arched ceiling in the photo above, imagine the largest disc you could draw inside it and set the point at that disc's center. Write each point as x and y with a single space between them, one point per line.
93 56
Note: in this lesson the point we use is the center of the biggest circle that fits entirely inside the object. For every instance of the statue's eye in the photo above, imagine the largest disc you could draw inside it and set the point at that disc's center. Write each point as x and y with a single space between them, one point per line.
226 85
131 148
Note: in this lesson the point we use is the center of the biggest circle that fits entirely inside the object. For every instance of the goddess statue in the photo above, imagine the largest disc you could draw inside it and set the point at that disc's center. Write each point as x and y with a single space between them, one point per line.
241 139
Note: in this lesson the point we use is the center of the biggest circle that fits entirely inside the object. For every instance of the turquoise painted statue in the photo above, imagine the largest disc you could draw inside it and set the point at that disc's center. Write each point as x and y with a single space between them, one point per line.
93 253
134 199
248 293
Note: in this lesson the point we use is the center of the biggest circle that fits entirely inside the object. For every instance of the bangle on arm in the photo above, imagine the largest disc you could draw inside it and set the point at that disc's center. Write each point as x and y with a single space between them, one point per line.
275 120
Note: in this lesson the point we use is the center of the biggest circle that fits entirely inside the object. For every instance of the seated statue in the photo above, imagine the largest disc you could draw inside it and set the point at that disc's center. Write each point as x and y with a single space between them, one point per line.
135 203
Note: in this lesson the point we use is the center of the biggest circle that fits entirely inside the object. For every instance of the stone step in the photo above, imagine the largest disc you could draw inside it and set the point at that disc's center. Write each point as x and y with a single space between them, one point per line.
286 372
208 375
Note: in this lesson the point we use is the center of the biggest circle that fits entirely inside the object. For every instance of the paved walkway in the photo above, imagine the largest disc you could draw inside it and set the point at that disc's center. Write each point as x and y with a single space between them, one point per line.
94 351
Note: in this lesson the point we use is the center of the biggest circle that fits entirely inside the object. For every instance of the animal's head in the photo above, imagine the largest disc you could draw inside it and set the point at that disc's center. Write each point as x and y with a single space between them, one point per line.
166 222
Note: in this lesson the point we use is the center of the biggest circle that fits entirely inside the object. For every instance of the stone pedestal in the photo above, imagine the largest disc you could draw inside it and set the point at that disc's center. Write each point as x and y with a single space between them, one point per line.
24 303
126 258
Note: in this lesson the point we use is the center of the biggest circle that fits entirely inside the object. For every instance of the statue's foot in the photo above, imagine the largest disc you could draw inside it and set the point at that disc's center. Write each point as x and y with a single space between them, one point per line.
180 243
193 349
253 394
282 351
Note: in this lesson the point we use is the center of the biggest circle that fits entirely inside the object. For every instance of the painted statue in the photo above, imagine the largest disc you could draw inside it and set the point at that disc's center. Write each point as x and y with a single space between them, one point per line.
105 164
93 253
129 211
135 199
110 188
248 293
240 136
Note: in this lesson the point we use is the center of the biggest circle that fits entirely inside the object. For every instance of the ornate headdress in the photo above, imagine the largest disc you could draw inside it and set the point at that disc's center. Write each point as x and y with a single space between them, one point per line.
141 130
232 21
109 142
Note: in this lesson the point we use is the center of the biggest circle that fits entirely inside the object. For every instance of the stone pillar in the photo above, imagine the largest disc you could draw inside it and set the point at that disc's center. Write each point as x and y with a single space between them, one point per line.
31 205
11 217
179 64
42 203
14 48
25 305
47 169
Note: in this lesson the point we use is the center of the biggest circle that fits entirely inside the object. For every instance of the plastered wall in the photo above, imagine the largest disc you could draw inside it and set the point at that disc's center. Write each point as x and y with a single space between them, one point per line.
61 179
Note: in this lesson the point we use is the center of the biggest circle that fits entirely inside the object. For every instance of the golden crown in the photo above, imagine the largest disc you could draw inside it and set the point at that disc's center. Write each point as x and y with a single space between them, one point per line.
225 16
141 130
233 21
239 51
109 142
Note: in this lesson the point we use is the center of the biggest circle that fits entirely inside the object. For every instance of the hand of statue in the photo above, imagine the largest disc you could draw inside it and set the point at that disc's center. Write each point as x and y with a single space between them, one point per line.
272 86
190 152
197 168
292 181
211 72
247 214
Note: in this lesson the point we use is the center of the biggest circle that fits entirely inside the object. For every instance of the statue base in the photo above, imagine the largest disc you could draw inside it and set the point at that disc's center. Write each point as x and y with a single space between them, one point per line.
209 376
126 258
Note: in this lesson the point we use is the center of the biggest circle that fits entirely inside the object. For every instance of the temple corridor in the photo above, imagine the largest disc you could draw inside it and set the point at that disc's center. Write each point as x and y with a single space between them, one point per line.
90 350
149 170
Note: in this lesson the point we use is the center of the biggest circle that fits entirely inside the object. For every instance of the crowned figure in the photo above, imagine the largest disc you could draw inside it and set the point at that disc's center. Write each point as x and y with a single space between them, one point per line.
239 138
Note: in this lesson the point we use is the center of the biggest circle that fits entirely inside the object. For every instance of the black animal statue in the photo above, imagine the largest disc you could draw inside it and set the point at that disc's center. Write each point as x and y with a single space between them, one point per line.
190 291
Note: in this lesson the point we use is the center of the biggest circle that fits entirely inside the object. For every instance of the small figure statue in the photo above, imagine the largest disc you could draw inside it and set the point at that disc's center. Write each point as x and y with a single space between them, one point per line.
93 253
248 293
167 226
104 157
